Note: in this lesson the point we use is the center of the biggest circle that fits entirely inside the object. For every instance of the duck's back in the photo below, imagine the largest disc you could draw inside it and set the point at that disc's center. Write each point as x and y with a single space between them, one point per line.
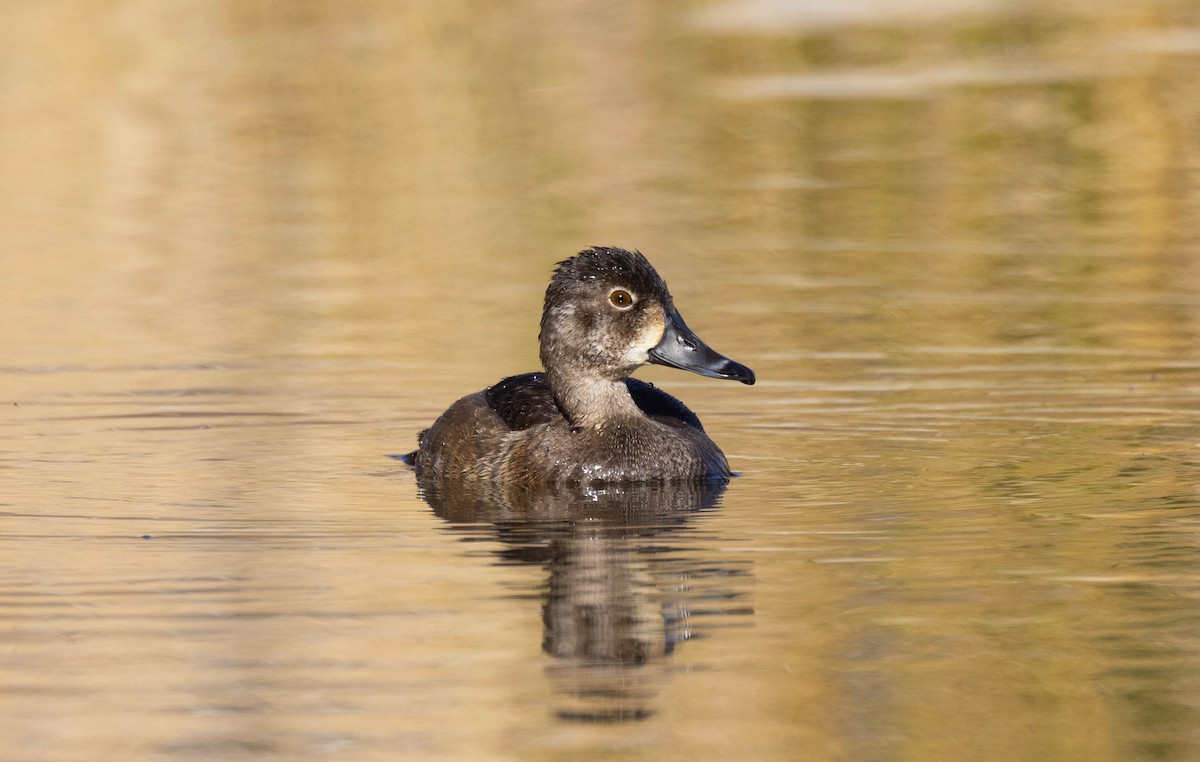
514 431
523 401
527 400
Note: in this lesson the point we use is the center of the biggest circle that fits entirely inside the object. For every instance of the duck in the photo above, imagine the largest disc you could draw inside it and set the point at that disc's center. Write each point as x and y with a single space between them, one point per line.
583 420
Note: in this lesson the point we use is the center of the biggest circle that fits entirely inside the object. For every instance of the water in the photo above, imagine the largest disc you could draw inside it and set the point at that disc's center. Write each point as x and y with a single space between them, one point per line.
249 250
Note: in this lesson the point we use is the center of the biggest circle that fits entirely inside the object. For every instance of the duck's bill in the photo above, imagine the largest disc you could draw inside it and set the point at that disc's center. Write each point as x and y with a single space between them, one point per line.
683 349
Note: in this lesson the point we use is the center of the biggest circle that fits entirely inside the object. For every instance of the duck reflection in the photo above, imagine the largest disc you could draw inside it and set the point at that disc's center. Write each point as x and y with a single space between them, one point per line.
619 596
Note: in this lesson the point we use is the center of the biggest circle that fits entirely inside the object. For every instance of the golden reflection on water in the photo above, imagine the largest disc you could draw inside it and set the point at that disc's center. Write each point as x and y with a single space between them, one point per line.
251 248
618 600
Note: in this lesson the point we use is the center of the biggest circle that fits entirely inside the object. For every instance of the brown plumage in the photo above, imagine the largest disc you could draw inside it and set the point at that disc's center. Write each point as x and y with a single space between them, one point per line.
606 313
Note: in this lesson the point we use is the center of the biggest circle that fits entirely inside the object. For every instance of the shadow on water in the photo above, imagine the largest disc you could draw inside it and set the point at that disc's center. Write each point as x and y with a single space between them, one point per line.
625 587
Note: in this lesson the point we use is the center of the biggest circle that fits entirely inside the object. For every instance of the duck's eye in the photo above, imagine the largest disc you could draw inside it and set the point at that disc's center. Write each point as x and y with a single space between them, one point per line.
621 299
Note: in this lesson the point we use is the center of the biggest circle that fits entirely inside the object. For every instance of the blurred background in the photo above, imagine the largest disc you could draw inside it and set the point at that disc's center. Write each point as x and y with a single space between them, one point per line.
251 248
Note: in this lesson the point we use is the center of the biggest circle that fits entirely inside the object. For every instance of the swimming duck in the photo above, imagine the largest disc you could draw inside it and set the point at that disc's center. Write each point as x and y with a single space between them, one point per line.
584 420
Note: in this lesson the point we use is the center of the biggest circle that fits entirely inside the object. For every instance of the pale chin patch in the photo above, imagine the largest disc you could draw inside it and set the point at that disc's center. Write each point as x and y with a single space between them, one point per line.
649 337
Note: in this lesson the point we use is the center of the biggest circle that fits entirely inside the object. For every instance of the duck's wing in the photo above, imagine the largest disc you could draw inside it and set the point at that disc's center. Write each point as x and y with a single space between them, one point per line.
523 401
661 406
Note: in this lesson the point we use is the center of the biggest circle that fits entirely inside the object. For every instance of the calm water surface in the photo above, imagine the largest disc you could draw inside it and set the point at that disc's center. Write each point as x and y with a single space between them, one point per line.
250 249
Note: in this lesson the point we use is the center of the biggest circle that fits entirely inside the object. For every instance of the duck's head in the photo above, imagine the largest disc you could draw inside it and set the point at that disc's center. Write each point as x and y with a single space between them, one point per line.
607 312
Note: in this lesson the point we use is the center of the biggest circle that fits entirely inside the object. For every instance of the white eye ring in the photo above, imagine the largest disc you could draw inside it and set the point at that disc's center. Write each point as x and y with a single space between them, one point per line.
622 298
